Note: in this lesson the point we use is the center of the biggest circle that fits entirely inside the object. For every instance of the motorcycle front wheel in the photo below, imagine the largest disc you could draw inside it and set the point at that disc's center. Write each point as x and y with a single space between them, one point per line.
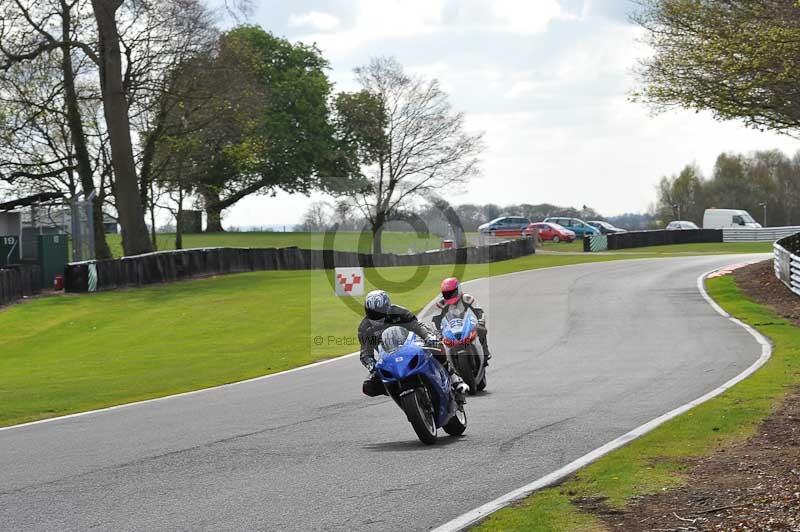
457 424
464 362
419 410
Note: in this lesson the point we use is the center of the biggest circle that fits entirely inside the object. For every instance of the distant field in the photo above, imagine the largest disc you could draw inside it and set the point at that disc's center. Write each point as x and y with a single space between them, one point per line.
393 242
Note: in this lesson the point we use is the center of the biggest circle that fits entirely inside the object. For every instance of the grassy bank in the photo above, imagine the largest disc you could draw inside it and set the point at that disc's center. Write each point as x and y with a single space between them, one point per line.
72 353
657 460
394 242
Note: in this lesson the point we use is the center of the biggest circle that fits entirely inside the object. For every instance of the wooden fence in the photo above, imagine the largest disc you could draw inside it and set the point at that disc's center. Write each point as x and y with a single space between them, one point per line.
167 266
17 282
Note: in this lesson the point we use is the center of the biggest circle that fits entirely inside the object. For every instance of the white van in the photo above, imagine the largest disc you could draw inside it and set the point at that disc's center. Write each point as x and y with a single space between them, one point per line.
728 218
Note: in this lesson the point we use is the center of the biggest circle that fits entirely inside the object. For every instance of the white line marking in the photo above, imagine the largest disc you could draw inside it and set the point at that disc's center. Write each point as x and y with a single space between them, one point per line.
300 368
470 518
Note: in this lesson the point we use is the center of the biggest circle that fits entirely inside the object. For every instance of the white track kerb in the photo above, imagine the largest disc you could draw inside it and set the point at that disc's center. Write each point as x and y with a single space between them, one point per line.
472 517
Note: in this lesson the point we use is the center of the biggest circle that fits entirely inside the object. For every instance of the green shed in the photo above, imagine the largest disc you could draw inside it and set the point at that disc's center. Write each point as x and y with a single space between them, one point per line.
53 256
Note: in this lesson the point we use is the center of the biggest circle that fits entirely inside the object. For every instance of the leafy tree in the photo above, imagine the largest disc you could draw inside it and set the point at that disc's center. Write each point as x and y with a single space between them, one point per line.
735 58
264 123
682 197
738 181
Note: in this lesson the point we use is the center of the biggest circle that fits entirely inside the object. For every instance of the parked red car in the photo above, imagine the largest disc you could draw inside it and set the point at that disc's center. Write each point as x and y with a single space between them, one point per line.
550 231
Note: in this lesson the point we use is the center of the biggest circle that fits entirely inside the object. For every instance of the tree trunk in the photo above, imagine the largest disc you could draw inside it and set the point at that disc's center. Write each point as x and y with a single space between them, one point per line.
152 208
75 124
179 222
213 211
135 239
377 236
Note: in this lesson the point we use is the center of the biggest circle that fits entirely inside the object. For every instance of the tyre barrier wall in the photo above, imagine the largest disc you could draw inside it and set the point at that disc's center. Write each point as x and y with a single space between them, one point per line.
168 266
17 282
640 239
787 261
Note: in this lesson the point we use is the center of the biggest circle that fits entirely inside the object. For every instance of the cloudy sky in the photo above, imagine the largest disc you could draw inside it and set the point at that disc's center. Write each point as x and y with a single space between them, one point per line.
548 81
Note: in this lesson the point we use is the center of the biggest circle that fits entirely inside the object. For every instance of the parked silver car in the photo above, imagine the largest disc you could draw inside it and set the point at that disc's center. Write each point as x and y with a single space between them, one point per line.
681 224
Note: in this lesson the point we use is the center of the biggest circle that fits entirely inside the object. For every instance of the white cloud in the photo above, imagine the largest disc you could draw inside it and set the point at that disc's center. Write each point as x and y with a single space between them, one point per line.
547 81
314 20
526 17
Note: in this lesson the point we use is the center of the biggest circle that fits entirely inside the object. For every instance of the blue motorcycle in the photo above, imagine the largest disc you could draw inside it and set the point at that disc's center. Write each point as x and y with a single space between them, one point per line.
419 385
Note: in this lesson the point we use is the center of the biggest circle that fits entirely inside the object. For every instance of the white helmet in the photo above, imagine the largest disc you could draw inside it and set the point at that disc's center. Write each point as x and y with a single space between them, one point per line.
377 304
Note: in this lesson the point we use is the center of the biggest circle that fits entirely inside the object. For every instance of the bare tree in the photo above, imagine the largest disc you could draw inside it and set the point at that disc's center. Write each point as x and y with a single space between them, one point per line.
408 141
317 217
34 38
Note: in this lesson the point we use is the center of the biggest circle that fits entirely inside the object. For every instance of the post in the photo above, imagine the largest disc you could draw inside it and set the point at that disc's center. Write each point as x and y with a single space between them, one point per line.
77 238
89 206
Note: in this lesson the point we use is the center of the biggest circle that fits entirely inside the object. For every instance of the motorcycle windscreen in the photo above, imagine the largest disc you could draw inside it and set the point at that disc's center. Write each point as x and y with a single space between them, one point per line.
393 338
458 323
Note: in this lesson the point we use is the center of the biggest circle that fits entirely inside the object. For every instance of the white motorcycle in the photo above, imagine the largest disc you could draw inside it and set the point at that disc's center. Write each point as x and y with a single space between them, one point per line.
463 348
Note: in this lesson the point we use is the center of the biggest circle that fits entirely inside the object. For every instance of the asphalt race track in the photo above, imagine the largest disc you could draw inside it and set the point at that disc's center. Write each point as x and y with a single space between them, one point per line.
583 354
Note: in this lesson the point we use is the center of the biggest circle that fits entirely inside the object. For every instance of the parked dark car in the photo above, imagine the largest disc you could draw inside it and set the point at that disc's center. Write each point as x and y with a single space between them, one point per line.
505 226
577 226
605 227
550 232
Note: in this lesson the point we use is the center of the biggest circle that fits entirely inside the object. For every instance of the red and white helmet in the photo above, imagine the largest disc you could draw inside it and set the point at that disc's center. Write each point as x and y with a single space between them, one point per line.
451 290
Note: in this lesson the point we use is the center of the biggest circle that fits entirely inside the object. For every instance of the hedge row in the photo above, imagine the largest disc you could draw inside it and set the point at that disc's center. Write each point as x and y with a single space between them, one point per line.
167 266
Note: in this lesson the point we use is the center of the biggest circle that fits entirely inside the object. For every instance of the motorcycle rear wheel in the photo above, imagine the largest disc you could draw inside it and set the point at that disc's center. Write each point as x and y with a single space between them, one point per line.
482 384
419 411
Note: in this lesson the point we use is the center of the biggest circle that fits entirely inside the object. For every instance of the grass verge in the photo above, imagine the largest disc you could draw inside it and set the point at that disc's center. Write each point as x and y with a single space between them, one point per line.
657 460
68 354
703 248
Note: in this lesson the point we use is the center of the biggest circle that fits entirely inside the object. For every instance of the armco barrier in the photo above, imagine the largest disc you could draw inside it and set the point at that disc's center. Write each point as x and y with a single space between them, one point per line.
167 266
764 234
640 239
787 261
17 282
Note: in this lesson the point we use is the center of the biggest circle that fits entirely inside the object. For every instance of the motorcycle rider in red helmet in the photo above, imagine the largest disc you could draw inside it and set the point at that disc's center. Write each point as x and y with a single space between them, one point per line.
453 296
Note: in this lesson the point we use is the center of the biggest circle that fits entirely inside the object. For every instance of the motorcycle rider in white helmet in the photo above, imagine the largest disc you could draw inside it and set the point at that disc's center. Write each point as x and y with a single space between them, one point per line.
380 314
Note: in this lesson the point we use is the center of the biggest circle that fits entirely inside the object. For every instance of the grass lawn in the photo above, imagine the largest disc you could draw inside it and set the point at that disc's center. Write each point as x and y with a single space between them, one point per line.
656 460
78 352
689 249
394 242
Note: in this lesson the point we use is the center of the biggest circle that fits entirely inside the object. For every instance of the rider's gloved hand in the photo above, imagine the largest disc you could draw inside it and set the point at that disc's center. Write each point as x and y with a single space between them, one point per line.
432 340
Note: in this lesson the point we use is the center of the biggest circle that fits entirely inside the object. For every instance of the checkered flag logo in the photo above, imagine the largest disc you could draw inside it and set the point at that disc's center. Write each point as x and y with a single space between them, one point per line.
349 282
